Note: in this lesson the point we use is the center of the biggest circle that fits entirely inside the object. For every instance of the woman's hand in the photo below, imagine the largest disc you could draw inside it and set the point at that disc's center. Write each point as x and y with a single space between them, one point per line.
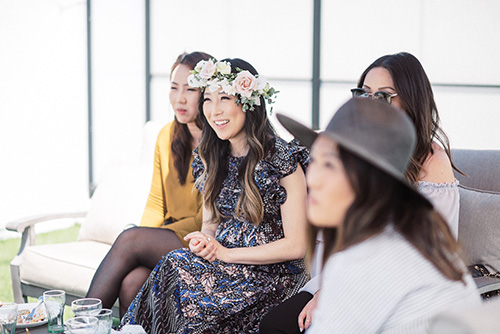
305 317
203 245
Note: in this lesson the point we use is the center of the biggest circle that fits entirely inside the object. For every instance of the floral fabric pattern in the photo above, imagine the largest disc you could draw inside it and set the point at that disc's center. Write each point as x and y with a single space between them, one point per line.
187 294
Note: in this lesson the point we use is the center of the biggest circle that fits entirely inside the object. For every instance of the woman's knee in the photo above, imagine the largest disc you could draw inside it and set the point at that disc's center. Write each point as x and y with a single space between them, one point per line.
127 237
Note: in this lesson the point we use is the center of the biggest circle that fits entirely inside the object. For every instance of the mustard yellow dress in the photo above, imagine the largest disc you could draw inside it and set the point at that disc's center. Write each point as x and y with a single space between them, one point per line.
171 205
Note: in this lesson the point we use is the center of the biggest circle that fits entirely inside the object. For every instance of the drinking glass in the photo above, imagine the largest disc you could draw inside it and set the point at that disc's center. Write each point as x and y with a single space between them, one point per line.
54 301
105 321
86 307
82 325
8 318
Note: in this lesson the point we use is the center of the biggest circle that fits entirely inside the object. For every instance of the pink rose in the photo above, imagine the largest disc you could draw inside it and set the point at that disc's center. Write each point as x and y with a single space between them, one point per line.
207 70
245 83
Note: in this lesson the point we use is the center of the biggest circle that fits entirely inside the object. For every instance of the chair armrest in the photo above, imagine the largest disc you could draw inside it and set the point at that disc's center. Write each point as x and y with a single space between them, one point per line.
487 284
20 225
26 225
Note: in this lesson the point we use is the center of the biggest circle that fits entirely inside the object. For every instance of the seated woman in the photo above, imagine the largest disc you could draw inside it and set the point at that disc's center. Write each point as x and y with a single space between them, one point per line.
173 204
398 79
391 260
248 256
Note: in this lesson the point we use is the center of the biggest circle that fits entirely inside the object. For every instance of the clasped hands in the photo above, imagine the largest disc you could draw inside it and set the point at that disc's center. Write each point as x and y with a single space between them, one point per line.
204 245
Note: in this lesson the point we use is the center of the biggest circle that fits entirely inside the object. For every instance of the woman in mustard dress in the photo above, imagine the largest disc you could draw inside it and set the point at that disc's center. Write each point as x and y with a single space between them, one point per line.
173 208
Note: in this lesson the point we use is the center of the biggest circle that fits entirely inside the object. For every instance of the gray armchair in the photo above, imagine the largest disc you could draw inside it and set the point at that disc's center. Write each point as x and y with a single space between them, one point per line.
479 233
479 220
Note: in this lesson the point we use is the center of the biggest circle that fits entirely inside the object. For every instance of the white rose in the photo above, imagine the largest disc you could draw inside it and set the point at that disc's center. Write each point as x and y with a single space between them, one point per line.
245 83
227 87
199 66
224 67
213 85
208 70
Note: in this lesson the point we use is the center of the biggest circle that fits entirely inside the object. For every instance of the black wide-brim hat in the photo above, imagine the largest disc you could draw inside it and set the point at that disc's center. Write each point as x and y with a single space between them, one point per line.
373 130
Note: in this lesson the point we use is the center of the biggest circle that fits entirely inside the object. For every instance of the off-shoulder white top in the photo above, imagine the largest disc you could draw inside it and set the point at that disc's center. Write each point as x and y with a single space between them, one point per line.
446 200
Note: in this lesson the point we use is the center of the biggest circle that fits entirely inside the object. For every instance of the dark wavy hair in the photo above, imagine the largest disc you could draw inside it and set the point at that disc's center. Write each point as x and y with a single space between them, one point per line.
214 153
381 200
182 138
417 99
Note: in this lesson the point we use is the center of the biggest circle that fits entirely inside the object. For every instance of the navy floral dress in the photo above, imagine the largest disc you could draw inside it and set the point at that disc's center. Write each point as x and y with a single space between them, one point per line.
187 294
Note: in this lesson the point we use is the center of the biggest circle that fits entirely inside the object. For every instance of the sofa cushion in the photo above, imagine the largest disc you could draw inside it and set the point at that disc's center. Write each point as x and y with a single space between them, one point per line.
119 200
479 167
479 227
68 266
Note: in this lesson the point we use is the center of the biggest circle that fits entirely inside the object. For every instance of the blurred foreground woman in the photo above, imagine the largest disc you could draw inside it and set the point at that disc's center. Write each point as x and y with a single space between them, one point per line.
391 261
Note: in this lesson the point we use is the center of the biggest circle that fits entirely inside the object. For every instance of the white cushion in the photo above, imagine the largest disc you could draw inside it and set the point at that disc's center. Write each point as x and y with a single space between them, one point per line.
149 136
68 266
119 200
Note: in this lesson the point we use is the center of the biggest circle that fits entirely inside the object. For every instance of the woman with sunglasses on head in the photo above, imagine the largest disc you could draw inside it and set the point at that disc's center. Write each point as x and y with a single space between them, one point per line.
248 256
173 208
398 79
391 261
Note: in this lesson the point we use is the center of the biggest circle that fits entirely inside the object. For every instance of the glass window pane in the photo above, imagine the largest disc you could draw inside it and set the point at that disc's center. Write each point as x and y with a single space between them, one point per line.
355 33
333 96
294 100
277 45
469 116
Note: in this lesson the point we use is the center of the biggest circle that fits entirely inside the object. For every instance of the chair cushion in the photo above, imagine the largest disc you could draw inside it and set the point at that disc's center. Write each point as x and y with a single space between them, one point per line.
479 227
68 266
480 167
119 200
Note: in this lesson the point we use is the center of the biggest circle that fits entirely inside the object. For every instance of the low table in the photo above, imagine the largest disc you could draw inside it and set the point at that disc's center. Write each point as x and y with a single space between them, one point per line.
33 330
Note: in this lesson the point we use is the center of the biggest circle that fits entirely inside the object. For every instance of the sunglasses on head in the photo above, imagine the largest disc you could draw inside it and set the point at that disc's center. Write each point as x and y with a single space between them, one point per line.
380 95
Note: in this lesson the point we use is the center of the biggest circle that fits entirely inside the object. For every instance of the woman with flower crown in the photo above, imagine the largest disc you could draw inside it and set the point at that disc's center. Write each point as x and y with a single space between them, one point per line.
248 256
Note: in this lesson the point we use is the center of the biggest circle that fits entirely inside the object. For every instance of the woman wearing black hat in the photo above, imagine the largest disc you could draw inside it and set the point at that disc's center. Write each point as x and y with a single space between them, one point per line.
391 261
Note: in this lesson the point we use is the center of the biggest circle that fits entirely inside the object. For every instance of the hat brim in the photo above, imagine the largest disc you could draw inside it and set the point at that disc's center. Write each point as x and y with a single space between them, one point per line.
302 133
307 136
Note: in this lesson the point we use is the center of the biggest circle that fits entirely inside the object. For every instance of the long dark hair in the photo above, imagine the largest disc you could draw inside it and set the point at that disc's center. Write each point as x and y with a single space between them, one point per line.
214 153
417 99
381 200
181 137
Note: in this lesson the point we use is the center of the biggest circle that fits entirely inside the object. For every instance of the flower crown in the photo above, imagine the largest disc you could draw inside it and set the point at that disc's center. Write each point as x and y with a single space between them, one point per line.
247 87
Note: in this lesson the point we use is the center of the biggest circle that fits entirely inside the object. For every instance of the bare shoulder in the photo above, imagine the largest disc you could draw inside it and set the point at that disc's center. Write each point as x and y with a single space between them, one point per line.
437 167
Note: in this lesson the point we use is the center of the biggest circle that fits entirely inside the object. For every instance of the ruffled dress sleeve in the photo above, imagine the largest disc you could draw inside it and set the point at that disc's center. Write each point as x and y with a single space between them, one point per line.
284 162
446 199
289 155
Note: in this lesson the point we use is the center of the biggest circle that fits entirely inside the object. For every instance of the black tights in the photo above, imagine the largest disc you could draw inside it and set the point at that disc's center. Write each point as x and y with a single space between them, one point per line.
128 264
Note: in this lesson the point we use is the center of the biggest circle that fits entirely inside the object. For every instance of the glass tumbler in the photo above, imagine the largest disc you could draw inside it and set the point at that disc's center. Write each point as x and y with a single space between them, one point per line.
54 301
8 318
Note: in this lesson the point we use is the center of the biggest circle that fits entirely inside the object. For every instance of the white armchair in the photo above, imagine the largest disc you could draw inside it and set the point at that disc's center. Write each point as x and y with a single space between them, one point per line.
118 201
